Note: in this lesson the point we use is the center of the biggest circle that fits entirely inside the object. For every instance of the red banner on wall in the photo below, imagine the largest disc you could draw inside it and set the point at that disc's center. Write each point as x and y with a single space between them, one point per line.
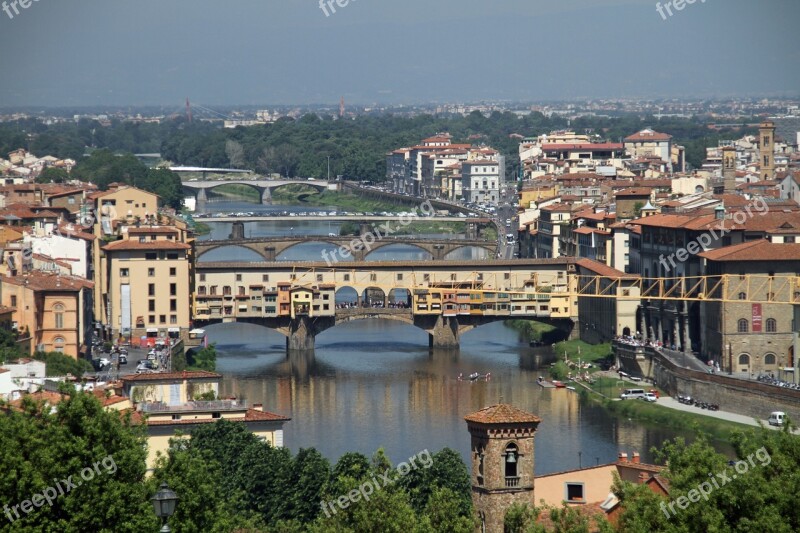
756 318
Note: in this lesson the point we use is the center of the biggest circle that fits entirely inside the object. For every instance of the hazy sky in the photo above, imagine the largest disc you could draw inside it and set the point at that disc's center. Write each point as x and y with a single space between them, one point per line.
137 52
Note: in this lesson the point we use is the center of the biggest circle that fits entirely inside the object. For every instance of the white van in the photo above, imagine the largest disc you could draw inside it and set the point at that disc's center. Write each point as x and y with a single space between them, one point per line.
776 418
632 394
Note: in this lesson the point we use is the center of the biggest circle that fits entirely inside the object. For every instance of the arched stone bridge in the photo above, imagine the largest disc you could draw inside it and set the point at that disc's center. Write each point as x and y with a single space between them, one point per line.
443 332
271 247
264 187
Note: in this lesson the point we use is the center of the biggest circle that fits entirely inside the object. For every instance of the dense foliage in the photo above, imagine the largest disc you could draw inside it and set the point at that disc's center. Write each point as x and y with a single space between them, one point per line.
42 448
203 359
258 485
356 148
58 364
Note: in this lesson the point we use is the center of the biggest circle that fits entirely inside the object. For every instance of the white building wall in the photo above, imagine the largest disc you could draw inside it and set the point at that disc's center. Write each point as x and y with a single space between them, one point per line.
72 251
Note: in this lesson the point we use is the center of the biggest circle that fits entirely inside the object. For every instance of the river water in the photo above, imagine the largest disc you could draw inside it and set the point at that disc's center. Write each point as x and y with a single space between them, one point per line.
375 383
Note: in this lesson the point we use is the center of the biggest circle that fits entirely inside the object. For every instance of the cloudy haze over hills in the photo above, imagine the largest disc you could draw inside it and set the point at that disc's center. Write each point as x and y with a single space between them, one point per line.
92 52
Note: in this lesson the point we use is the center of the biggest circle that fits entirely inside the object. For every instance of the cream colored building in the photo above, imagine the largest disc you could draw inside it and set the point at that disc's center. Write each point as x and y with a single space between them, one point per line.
147 283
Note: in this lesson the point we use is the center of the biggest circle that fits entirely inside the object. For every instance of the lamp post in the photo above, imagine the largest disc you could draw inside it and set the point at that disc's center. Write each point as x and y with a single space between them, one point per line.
164 503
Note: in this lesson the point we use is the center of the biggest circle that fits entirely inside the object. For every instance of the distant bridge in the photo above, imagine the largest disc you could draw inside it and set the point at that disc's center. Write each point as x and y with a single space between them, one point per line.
264 187
269 248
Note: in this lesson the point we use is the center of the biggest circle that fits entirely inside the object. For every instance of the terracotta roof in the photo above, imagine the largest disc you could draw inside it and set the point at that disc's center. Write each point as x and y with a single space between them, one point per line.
760 250
153 230
635 192
252 415
647 135
502 414
603 269
186 374
598 147
46 281
149 245
73 230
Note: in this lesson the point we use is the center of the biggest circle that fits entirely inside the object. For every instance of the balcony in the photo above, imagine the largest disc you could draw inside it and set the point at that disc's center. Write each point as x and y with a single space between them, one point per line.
512 482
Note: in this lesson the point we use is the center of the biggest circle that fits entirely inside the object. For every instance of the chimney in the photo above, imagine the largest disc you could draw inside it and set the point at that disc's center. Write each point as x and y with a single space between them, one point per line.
635 458
258 407
643 477
622 458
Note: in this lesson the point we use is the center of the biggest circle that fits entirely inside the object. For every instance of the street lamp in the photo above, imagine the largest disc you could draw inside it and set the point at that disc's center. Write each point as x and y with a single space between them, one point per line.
164 504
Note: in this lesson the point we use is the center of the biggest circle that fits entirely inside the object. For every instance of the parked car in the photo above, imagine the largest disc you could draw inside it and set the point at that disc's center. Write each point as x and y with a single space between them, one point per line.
631 394
776 418
649 397
123 359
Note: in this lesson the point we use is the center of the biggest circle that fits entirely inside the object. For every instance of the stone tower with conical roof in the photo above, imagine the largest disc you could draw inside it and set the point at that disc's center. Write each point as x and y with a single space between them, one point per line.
502 461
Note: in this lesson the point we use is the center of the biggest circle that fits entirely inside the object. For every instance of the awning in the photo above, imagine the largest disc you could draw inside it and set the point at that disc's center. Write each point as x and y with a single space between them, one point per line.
197 332
152 330
174 330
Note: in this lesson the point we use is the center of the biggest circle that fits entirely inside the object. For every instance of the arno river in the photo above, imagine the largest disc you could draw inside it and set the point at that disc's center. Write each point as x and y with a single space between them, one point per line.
375 383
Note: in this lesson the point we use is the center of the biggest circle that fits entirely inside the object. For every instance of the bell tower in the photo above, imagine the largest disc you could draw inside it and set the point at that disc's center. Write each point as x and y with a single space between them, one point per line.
729 168
502 454
766 146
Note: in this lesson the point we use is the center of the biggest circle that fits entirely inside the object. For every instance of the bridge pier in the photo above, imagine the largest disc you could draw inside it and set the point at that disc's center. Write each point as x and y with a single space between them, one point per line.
201 196
266 196
444 334
302 335
269 253
237 231
438 252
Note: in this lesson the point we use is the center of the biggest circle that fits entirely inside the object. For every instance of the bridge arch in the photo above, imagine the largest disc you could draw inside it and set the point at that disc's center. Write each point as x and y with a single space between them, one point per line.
383 244
217 253
488 249
319 188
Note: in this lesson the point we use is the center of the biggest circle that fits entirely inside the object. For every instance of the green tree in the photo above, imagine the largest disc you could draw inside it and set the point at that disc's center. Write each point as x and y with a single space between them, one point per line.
58 364
52 175
203 359
310 475
100 451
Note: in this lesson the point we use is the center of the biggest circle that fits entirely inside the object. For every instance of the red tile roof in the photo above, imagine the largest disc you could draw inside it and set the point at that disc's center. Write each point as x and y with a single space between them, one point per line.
593 147
760 250
186 374
647 135
252 415
149 245
502 414
45 281
604 270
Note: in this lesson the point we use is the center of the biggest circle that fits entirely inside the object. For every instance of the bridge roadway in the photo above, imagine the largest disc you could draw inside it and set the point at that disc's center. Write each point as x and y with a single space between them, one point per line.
269 248
532 288
263 186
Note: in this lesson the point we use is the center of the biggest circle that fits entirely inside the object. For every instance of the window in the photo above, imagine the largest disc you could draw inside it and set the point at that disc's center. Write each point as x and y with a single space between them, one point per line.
151 289
202 277
172 255
151 272
319 278
743 326
162 319
173 305
173 271
13 301
507 275
226 290
142 238
124 273
241 291
426 277
173 289
744 359
151 306
511 462
58 344
151 319
347 277
173 319
373 277
201 290
265 277
58 309
452 277
238 277
769 359
151 256
213 290
742 296
772 325
399 277
574 492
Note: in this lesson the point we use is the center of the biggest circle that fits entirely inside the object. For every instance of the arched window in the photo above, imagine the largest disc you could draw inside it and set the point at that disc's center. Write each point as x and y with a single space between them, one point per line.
226 290
58 313
744 359
241 291
742 296
201 290
511 461
769 359
772 325
743 325
213 290
58 344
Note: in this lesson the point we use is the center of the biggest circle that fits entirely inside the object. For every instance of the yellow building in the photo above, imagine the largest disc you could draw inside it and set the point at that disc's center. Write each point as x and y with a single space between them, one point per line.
51 310
148 283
